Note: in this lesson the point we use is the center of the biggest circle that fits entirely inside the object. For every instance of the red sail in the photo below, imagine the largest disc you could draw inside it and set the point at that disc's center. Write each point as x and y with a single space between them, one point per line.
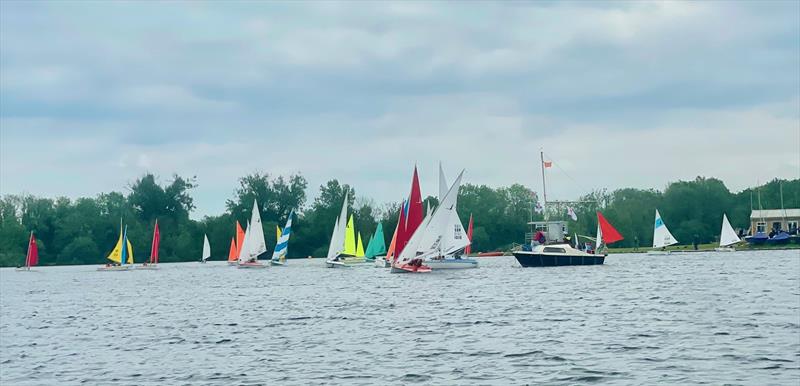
468 249
233 253
401 237
610 235
33 253
414 216
239 239
154 247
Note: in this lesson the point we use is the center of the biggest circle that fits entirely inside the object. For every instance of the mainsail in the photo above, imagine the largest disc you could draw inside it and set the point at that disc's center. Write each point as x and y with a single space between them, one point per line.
359 246
606 234
232 251
728 236
428 239
282 247
239 239
32 257
206 248
338 235
468 249
154 246
254 239
350 238
661 235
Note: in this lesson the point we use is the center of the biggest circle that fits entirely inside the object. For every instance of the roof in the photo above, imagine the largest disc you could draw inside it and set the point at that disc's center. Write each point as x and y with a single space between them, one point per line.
774 213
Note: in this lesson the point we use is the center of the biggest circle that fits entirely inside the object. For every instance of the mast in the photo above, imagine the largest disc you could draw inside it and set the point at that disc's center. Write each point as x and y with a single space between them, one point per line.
544 186
783 210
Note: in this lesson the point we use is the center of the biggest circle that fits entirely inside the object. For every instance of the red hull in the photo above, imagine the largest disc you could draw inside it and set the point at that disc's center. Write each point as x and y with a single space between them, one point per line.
414 268
490 254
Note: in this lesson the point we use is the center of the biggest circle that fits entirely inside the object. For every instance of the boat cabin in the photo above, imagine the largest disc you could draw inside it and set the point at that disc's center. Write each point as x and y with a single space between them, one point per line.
554 231
777 220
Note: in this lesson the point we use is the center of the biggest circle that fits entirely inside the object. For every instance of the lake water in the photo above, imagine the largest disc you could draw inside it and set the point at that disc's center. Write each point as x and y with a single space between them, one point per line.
680 319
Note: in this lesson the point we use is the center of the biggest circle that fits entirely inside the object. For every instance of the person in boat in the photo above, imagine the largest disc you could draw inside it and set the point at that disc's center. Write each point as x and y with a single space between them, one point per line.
539 238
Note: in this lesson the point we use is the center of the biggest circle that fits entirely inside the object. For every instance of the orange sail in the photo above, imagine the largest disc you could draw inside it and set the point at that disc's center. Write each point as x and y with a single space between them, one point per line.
390 253
609 234
233 253
239 239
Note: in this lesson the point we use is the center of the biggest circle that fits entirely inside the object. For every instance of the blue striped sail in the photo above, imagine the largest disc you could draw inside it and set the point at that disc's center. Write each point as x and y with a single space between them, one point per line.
283 242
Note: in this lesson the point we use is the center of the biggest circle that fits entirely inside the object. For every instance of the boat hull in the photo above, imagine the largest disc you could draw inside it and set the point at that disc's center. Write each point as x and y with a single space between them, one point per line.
452 264
725 249
251 266
381 262
233 263
406 268
24 269
490 254
115 268
151 267
533 259
336 264
276 263
658 253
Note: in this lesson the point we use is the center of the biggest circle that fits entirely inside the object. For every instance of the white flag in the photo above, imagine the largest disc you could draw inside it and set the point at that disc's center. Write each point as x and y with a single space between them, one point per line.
572 214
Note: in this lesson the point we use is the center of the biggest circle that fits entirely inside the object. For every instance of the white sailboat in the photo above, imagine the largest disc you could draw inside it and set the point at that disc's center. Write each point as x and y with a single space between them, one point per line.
662 237
452 235
337 238
429 241
727 236
206 250
254 243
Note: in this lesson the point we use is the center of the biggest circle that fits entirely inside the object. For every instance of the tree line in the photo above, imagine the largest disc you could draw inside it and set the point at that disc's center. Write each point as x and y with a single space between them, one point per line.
84 230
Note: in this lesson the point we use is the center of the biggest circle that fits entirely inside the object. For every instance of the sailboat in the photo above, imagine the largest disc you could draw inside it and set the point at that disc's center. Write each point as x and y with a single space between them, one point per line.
282 244
338 237
662 238
353 252
254 243
122 254
548 246
206 250
377 244
727 236
452 239
386 260
32 256
152 263
428 241
236 246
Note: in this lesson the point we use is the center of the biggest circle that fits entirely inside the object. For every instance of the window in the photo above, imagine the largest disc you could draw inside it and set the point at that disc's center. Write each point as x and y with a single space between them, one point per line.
792 225
554 250
760 226
776 225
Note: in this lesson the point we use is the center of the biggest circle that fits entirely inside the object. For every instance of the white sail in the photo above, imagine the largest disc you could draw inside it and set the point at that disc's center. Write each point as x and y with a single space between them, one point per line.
254 244
661 235
455 238
728 236
442 183
410 250
433 236
599 239
337 237
206 248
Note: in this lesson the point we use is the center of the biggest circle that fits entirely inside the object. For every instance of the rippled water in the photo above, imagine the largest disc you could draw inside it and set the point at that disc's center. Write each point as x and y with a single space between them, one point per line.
693 318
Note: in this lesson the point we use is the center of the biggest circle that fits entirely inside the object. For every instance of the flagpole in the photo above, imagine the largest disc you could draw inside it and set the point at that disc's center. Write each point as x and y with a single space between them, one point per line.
544 186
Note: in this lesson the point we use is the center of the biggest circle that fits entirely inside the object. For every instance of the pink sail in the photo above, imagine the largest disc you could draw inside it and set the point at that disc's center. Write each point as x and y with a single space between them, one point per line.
154 246
33 253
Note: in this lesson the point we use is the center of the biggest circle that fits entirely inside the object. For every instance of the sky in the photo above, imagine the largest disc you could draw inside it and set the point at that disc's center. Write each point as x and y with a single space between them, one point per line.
618 94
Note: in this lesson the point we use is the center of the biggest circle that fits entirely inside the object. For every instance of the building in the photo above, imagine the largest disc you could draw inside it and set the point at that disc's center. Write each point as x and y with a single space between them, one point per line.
767 220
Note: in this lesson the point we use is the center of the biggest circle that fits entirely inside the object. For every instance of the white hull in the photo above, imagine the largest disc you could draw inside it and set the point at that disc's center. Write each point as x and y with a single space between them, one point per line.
725 249
381 262
452 264
335 264
658 253
151 267
233 263
252 266
276 263
25 269
115 268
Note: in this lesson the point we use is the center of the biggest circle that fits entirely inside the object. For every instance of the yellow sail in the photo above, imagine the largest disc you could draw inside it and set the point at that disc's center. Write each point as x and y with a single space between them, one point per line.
350 238
278 238
359 247
116 253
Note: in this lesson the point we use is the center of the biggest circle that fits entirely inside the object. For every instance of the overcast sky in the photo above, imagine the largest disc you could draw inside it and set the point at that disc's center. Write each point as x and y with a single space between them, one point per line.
630 94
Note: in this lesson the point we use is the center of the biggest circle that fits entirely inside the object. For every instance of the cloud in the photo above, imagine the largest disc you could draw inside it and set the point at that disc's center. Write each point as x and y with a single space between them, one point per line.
618 93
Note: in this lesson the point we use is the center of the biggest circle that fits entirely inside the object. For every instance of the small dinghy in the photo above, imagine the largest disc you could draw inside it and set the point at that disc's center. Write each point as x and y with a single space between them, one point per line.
282 244
32 257
727 236
122 255
662 238
340 246
152 263
206 250
254 243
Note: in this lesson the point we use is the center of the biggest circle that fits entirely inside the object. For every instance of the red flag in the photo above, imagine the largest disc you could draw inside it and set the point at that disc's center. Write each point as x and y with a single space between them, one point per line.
610 235
548 164
33 253
154 246
468 249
